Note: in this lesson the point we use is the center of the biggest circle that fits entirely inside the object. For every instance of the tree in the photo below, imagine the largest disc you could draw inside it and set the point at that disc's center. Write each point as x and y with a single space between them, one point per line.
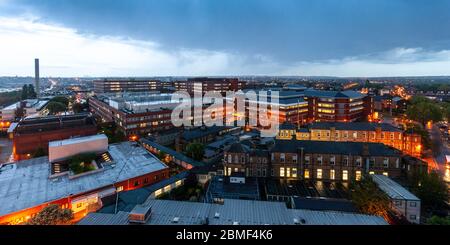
31 92
424 135
423 110
24 95
52 215
436 220
55 107
28 92
113 133
61 99
431 190
368 198
195 151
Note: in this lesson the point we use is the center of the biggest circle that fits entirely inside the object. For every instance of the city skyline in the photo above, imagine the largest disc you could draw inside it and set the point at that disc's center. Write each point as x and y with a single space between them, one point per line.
196 38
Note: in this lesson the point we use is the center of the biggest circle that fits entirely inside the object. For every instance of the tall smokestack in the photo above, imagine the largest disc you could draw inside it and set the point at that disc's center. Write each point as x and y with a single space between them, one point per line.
36 77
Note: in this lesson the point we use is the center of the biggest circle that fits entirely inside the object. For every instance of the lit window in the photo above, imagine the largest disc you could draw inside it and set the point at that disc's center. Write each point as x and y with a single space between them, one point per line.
294 172
332 175
281 172
385 174
306 173
178 183
345 175
371 172
119 188
358 175
288 172
319 173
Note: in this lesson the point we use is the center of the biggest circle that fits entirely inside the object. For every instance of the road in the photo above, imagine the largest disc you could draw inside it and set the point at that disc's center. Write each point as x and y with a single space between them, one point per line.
441 149
5 150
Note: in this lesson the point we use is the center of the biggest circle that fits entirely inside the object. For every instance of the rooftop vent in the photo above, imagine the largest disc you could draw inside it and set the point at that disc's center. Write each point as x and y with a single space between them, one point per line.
140 214
217 215
235 223
176 219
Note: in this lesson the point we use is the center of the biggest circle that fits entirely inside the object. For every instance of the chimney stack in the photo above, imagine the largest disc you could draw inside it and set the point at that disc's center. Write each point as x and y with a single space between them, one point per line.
36 77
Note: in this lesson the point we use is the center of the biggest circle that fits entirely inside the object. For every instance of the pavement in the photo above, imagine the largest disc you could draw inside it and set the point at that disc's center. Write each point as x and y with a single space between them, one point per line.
5 150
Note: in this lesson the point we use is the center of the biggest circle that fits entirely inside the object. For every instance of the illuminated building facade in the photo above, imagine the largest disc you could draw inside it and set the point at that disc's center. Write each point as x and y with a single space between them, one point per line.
204 84
130 85
406 141
315 160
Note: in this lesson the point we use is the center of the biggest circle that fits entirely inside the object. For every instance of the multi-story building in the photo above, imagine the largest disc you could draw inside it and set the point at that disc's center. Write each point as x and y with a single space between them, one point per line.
30 185
33 134
130 85
135 114
318 160
305 106
406 141
338 106
204 84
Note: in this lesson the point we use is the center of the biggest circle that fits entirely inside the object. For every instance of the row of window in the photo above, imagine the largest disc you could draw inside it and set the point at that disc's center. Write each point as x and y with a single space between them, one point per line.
345 134
294 173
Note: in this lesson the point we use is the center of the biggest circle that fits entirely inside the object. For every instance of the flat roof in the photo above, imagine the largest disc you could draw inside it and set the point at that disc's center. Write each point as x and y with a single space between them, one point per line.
26 184
354 126
242 212
309 217
77 140
392 188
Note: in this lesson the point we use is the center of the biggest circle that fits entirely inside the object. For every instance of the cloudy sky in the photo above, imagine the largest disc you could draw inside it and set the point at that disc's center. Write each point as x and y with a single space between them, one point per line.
228 37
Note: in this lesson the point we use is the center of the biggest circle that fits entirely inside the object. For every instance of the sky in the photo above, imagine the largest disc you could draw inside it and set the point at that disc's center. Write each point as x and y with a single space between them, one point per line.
225 37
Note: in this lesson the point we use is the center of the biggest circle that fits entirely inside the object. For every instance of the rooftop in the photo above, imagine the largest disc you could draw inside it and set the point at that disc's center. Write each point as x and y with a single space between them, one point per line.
331 147
220 187
171 152
356 126
242 212
49 123
76 140
392 188
333 94
320 204
202 132
26 183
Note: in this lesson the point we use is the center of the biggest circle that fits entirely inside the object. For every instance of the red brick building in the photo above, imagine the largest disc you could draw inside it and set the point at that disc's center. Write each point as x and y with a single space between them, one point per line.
32 135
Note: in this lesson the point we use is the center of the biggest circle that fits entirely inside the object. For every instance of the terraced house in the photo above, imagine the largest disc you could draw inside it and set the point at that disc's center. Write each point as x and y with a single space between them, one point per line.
405 141
319 160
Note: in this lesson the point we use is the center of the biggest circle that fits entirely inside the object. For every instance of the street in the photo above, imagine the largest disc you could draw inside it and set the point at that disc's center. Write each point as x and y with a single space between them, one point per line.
440 150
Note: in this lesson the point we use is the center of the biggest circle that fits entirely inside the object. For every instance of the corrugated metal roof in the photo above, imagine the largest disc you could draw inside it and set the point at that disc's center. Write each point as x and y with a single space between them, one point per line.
309 217
392 188
242 212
